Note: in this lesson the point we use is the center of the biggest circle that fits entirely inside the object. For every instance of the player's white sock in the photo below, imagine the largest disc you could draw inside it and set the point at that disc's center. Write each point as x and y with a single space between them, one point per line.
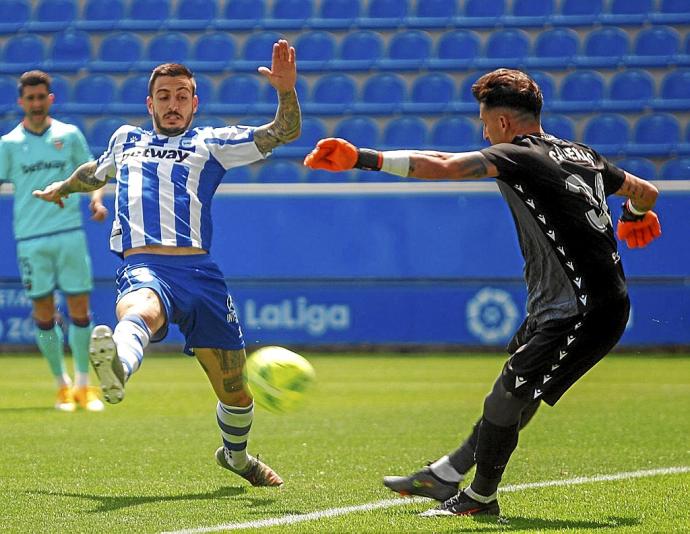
81 380
131 337
443 469
235 423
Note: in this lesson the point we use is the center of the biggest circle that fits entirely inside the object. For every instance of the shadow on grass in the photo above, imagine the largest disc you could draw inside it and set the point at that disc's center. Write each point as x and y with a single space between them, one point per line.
505 524
29 409
107 503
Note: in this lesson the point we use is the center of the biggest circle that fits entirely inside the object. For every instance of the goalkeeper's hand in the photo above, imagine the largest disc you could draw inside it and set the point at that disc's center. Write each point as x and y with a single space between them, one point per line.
637 230
332 154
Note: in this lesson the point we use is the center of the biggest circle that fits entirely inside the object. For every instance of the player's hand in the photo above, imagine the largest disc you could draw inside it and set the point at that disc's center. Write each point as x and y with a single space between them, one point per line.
332 154
283 72
51 194
639 233
98 211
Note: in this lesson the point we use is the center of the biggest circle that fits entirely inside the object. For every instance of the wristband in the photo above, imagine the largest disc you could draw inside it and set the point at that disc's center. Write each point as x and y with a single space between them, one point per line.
633 209
369 160
396 162
630 213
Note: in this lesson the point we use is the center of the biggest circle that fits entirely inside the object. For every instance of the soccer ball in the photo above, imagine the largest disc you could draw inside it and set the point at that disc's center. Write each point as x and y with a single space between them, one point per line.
278 378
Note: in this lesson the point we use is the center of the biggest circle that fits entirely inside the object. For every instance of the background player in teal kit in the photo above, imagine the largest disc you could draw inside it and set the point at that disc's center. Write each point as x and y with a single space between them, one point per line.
51 245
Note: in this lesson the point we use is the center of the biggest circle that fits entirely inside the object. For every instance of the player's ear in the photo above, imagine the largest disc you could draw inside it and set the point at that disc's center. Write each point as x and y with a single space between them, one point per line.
149 105
195 103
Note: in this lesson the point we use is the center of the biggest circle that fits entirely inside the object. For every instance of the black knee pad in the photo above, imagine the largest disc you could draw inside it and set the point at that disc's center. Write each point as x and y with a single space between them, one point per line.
502 408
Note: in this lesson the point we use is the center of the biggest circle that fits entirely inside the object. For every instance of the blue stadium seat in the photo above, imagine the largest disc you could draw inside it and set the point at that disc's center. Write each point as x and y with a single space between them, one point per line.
320 176
8 94
102 14
656 46
292 10
465 93
53 15
212 49
132 95
672 12
100 133
607 133
457 48
202 121
641 167
194 14
333 93
339 11
480 13
547 85
435 9
204 90
169 47
259 47
625 12
242 14
279 171
656 134
507 48
313 130
579 12
410 48
630 89
405 132
390 9
581 90
454 134
382 93
559 126
239 175
360 131
269 96
118 51
540 10
7 125
605 47
14 14
61 88
71 50
93 94
316 47
361 48
555 47
239 89
431 92
147 14
24 49
676 169
675 91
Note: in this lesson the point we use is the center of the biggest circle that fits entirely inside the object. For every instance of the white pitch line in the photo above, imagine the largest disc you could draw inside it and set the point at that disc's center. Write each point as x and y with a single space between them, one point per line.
389 503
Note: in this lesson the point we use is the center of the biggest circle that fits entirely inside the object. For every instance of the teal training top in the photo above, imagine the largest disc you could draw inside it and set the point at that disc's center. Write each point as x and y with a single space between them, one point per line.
32 161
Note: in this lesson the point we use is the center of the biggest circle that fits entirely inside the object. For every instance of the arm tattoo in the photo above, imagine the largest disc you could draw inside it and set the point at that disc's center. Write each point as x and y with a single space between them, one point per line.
284 128
470 166
83 180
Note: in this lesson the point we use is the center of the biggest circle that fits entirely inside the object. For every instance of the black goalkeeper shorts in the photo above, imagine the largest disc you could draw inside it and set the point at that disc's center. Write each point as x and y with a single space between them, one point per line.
546 359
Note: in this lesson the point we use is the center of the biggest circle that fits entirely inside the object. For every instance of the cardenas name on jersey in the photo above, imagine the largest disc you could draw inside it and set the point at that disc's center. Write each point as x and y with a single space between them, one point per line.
165 184
571 153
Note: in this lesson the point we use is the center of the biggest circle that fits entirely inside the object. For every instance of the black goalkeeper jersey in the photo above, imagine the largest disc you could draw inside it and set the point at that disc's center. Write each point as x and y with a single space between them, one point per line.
556 191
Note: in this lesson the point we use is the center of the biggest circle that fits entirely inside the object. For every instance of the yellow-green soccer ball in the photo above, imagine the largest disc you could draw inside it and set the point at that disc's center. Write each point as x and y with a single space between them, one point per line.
278 378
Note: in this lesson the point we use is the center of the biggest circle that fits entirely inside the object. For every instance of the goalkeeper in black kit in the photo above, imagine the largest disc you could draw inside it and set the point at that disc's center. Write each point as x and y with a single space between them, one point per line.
577 302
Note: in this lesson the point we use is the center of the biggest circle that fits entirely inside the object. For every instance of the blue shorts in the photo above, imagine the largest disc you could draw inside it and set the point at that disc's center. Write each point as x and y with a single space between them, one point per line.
55 261
194 296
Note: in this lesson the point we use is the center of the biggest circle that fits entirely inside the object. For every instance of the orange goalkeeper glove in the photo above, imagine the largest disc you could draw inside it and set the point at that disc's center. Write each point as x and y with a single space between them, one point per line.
637 230
335 154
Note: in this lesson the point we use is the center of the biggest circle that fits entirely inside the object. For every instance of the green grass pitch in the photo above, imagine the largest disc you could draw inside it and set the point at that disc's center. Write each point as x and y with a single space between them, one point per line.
147 465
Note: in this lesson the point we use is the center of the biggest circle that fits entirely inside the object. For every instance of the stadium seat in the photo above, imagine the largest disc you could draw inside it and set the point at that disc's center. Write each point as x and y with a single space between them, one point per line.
578 12
53 15
316 47
339 11
480 13
242 14
405 132
291 10
101 132
625 12
382 93
390 9
333 93
454 134
431 92
102 14
14 14
212 49
671 12
410 48
555 48
630 89
24 49
269 96
655 46
656 134
239 175
194 14
456 49
506 48
8 94
675 91
239 90
465 93
132 95
61 88
202 121
118 51
360 48
581 90
607 133
435 9
605 47
540 10
278 171
92 94
547 85
169 47
320 176
71 50
676 169
641 167
259 46
7 125
559 126
360 131
313 130
147 14
204 90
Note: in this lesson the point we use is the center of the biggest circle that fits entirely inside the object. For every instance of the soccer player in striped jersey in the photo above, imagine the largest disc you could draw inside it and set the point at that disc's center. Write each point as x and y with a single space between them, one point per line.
577 297
166 179
51 245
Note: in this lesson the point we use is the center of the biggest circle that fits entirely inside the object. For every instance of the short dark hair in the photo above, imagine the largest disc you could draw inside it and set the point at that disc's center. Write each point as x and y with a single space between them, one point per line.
511 89
33 78
171 69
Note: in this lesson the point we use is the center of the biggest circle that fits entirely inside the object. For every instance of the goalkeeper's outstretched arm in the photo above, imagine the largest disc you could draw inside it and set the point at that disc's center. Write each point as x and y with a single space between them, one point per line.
83 180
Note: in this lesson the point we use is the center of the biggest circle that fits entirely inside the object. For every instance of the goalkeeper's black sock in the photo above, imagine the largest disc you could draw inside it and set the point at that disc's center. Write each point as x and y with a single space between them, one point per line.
462 459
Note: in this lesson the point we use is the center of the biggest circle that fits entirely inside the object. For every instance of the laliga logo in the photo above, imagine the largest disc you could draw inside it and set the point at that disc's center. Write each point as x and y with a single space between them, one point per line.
491 315
297 315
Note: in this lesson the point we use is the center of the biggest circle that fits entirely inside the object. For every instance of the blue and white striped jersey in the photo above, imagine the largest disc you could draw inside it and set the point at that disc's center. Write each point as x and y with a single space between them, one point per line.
165 184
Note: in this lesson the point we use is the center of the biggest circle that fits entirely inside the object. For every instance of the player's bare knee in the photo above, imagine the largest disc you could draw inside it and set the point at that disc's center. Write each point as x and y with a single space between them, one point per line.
78 307
146 304
44 310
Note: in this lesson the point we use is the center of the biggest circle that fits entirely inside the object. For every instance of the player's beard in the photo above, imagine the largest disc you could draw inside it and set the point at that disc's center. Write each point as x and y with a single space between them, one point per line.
170 132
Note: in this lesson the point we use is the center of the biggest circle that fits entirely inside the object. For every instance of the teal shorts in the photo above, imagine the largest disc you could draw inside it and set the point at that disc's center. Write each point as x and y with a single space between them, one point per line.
56 261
